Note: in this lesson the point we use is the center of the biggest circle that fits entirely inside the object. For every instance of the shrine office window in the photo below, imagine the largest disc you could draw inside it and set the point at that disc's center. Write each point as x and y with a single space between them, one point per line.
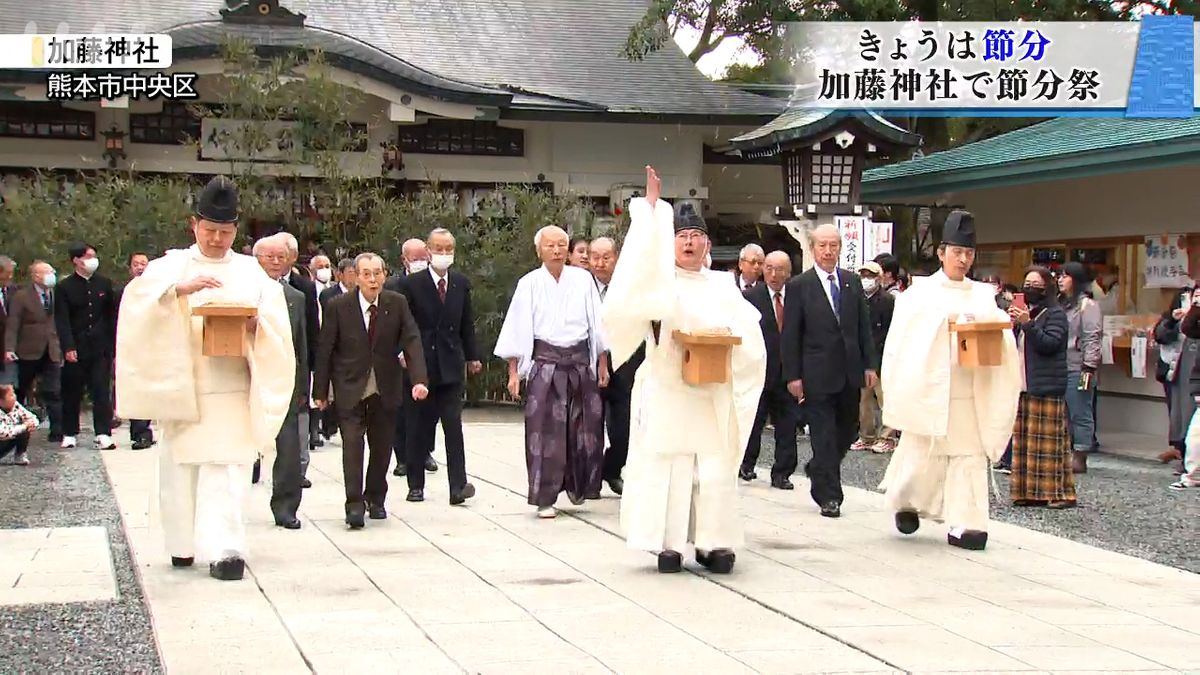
177 124
46 120
462 137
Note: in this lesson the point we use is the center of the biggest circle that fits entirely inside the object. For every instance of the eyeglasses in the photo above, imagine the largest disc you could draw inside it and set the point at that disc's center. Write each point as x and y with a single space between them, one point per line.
272 258
691 236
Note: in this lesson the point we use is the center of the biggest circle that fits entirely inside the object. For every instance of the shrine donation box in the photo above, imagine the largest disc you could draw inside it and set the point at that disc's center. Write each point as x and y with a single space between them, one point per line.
224 328
706 355
980 343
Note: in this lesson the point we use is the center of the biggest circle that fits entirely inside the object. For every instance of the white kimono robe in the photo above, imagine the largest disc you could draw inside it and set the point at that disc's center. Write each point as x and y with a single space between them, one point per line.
216 414
562 312
955 421
685 441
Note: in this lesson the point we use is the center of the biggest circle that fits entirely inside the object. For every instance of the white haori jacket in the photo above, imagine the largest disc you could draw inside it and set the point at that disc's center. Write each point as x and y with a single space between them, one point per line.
920 362
213 410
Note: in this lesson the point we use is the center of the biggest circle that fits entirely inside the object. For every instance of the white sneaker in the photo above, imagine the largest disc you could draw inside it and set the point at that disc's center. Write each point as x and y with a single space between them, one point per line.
105 442
547 512
21 459
68 442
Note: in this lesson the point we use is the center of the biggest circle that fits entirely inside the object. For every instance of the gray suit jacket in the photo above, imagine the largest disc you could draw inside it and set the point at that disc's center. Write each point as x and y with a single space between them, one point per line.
296 312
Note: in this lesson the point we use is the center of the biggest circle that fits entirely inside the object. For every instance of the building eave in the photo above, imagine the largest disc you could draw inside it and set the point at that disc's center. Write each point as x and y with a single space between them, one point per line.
1124 159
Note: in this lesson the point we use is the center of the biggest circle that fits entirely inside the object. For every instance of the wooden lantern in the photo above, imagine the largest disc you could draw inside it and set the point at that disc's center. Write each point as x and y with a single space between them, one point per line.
706 356
224 328
980 344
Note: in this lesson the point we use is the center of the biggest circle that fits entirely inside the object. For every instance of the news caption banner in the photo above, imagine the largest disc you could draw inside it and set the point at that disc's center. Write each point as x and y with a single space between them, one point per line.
105 67
1145 68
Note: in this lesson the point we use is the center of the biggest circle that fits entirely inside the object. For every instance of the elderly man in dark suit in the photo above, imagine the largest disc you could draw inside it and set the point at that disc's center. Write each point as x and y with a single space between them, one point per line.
31 343
346 282
441 302
828 357
288 472
365 333
770 299
414 258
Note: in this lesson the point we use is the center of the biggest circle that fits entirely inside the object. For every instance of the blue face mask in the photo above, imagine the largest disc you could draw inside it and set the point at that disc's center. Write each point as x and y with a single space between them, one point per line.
48 280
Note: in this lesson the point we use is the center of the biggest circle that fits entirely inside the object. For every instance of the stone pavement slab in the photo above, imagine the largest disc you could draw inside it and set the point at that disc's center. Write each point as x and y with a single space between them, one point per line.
489 588
52 565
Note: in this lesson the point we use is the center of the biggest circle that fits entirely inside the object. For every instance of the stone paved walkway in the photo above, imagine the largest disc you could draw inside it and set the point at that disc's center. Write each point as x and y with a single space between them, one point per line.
488 588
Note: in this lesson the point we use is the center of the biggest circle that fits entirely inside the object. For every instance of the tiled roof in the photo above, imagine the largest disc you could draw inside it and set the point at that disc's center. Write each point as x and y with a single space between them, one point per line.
799 121
562 49
1059 138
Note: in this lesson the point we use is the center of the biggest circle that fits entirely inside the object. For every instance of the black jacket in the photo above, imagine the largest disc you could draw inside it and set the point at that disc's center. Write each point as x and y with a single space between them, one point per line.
328 294
881 305
1046 351
85 314
763 299
447 329
828 355
1190 326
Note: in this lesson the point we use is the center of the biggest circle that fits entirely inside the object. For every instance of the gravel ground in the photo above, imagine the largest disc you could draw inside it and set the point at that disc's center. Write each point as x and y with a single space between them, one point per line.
1124 505
60 489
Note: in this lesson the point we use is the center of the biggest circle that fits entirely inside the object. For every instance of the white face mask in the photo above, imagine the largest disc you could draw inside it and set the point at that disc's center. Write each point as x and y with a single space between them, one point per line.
869 285
91 265
324 275
48 279
442 262
417 266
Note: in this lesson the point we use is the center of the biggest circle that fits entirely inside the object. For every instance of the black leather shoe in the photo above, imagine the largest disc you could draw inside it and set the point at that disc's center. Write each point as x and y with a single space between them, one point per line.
355 516
376 512
141 444
430 465
591 496
971 540
670 562
782 484
400 470
317 443
256 472
462 495
415 496
305 483
55 438
182 562
747 474
229 569
907 521
288 523
831 510
617 485
717 561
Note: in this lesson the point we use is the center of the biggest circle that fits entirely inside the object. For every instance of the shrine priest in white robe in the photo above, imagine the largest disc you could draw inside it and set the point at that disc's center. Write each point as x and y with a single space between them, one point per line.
955 421
217 413
686 441
552 341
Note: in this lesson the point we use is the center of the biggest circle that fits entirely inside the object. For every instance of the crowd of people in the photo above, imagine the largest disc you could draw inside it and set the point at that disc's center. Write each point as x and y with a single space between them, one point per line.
594 340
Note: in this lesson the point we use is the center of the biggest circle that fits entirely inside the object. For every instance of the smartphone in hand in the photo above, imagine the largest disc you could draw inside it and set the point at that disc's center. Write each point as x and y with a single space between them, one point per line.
1018 301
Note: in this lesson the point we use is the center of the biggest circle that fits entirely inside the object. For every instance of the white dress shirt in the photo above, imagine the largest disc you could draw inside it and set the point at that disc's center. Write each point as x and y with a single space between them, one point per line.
438 277
372 387
837 279
782 292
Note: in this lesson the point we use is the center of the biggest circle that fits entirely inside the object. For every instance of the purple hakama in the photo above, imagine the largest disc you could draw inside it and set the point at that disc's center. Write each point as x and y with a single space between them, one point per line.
564 425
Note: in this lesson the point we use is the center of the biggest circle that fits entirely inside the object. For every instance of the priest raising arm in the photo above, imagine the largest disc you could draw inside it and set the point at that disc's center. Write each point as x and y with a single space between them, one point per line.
686 440
955 421
552 340
217 412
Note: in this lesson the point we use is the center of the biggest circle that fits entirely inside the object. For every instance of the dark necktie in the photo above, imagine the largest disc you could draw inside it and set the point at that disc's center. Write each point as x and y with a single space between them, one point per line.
371 324
836 295
442 290
46 300
779 310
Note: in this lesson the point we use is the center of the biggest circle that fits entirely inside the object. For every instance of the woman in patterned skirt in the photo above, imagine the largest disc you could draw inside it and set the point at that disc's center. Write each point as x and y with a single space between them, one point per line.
1041 444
